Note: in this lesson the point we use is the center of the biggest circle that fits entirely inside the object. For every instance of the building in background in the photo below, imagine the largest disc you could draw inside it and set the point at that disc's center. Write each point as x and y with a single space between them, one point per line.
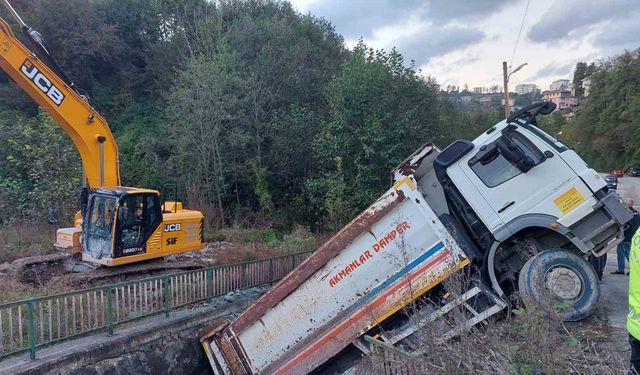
526 88
560 84
586 85
512 104
562 97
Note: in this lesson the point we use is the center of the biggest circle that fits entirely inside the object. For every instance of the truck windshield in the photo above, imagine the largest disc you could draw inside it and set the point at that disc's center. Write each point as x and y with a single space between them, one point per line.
557 145
496 169
99 226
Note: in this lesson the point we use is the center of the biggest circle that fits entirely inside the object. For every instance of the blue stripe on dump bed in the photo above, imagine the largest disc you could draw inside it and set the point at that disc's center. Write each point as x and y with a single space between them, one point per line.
428 254
342 317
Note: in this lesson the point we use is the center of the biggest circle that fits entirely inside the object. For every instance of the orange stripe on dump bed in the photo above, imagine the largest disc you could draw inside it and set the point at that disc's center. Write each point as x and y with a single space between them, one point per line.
361 313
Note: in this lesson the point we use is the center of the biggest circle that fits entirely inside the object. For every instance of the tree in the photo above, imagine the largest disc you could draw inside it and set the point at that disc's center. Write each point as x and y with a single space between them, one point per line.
579 74
553 123
258 113
379 112
252 93
206 101
604 131
39 169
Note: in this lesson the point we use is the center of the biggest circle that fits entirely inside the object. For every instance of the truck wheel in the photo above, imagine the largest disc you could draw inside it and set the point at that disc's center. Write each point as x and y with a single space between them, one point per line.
561 282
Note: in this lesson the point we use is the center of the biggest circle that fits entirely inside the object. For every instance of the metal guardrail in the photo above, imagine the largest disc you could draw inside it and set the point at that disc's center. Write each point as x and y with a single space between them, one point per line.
387 359
34 323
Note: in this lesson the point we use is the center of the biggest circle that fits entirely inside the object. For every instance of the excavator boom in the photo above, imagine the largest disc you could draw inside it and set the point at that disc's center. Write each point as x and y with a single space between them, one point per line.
87 128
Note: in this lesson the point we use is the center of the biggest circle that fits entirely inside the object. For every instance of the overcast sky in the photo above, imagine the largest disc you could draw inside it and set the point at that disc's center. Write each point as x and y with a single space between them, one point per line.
465 41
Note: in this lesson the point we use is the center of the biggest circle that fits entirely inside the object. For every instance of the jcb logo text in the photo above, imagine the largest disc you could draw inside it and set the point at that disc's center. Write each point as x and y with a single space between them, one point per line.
172 227
42 82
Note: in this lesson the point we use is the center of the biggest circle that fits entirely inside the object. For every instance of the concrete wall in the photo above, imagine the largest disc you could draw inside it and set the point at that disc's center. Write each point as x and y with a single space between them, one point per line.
155 345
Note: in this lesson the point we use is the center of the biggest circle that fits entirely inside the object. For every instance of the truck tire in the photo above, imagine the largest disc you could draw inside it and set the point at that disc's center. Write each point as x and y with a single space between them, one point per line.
561 282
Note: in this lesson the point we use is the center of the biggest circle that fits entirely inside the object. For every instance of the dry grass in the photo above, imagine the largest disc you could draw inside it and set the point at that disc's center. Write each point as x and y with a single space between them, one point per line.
23 239
527 343
28 240
12 290
524 341
19 240
254 244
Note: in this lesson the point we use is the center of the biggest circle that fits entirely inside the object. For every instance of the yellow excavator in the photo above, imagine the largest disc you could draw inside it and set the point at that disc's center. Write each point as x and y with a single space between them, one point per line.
116 225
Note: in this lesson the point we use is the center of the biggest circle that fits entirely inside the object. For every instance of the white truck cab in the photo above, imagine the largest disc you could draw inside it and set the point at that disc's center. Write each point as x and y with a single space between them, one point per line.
516 209
516 191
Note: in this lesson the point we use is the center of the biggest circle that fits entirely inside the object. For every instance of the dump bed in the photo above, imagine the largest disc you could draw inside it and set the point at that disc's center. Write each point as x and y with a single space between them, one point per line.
392 253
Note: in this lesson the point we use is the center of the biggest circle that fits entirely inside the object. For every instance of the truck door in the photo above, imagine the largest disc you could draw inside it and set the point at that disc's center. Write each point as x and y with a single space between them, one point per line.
512 189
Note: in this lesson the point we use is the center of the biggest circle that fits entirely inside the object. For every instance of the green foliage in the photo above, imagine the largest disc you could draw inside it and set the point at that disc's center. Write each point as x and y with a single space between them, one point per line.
553 123
300 240
262 191
25 238
39 168
581 72
205 105
249 102
257 113
572 341
380 111
604 131
337 205
249 235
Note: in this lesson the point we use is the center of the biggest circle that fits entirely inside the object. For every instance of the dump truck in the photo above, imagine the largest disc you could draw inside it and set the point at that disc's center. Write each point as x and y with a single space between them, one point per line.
515 211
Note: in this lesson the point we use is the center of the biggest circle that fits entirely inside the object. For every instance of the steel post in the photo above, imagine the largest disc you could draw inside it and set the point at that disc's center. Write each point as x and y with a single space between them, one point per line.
210 284
167 295
31 330
109 310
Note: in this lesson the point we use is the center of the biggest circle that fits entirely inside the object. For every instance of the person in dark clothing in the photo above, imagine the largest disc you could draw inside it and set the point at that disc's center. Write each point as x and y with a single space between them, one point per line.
598 264
625 245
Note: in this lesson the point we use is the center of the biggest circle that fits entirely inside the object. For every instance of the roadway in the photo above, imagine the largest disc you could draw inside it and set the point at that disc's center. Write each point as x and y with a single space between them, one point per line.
614 288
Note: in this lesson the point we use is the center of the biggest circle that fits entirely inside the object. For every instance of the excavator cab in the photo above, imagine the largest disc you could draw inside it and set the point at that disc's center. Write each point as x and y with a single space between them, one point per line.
120 223
99 225
126 225
138 217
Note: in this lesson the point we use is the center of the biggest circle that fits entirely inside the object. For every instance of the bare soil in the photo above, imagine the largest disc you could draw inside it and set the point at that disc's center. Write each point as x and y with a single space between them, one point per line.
45 274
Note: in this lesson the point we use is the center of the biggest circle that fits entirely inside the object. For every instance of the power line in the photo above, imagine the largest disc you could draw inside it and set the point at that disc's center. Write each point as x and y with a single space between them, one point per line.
519 32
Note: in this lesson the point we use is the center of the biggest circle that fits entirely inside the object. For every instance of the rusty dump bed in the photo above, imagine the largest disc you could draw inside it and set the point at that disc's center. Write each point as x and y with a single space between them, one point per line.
392 253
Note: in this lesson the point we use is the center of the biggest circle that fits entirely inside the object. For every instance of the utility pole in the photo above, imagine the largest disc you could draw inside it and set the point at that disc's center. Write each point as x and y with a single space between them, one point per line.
506 89
506 76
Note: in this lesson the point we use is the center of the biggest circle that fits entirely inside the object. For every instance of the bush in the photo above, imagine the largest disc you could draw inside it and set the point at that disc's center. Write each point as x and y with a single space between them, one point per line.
245 235
249 244
298 241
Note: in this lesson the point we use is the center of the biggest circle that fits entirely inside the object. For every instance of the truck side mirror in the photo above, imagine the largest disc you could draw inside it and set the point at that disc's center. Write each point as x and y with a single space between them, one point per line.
514 155
486 155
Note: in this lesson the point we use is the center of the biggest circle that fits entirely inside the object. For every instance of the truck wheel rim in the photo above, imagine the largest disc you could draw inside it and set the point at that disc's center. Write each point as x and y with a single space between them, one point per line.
564 283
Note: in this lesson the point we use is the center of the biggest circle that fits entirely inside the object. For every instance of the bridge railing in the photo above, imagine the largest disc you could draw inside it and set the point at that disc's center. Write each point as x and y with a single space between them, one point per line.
31 324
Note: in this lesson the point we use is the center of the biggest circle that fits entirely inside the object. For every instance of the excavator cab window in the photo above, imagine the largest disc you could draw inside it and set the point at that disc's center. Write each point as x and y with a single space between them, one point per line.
138 217
99 227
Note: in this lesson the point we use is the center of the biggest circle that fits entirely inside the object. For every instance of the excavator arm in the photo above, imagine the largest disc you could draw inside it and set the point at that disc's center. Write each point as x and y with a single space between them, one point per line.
88 130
